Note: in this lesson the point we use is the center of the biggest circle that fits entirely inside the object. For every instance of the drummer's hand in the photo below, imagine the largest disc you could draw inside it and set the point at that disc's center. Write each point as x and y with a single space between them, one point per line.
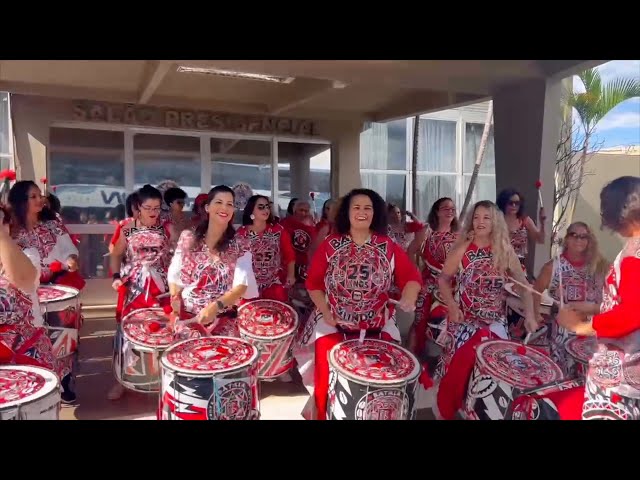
455 314
574 321
117 283
531 325
208 314
291 280
328 317
407 304
586 308
72 264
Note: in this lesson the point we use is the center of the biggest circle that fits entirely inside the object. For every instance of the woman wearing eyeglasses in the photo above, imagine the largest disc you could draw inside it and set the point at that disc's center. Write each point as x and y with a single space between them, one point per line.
577 277
521 227
273 257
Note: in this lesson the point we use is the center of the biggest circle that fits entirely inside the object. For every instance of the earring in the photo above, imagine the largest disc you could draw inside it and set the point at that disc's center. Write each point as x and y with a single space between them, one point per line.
252 216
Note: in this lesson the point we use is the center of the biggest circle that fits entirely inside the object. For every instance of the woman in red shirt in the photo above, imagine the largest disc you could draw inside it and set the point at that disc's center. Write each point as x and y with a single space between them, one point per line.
401 231
271 249
349 280
612 390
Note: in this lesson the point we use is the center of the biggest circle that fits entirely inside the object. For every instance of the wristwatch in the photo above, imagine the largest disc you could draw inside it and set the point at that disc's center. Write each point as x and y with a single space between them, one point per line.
220 305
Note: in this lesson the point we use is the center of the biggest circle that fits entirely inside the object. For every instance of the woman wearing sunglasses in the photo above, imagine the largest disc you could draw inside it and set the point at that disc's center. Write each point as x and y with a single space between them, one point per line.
576 276
521 227
274 259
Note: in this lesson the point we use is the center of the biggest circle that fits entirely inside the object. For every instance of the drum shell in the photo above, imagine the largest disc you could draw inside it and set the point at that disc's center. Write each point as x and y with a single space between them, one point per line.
537 406
185 396
578 365
275 356
44 407
351 399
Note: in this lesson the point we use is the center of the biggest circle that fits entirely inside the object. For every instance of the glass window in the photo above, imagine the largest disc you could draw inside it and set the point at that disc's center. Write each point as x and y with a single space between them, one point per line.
92 249
5 118
86 173
391 187
431 188
383 146
437 146
242 161
485 188
303 168
473 136
161 158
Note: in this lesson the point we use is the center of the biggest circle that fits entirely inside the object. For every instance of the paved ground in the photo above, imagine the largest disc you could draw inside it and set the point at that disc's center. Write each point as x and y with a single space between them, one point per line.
279 401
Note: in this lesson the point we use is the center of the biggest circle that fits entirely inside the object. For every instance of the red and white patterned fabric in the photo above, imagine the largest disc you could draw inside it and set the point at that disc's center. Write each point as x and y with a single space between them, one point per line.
613 379
302 236
271 252
357 280
430 306
204 278
578 285
404 233
21 341
520 240
144 276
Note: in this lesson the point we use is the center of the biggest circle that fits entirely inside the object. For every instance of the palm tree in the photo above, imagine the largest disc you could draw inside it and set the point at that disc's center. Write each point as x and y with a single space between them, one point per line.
593 105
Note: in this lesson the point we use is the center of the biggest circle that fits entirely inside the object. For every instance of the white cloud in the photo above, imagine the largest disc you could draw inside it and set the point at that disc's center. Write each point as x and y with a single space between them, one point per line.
620 120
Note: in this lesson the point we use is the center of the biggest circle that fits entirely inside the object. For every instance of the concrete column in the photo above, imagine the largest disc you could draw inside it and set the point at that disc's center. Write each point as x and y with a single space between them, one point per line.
345 160
299 174
527 121
31 136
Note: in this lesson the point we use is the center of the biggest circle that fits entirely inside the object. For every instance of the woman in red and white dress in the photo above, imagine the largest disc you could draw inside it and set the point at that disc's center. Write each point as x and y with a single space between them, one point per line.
521 227
576 277
34 226
440 236
350 279
302 231
142 281
481 262
211 269
23 339
612 390
401 231
271 250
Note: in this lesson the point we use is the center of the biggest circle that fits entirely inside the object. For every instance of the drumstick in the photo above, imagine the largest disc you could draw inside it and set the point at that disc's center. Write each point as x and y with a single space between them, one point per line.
530 289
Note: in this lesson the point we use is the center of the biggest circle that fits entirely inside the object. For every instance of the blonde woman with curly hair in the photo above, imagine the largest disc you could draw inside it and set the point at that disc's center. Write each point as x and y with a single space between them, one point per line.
481 260
576 276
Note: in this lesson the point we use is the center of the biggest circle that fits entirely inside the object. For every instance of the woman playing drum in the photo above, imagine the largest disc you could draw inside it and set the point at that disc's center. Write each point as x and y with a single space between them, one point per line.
440 236
23 340
34 226
481 260
578 275
302 231
271 249
350 278
212 267
401 231
612 390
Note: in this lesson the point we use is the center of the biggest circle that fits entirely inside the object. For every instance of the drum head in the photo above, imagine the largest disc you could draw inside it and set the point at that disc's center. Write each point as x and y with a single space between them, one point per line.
502 360
206 355
267 319
56 293
374 362
581 348
149 327
20 384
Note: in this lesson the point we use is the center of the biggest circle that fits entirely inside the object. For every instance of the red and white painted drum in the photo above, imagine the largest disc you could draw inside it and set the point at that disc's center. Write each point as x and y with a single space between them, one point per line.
210 378
580 350
503 369
29 393
372 380
142 337
270 325
61 311
562 400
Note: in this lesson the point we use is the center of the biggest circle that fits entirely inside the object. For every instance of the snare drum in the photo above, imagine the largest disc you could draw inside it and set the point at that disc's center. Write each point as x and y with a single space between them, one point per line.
270 326
210 378
579 351
372 380
561 400
503 369
142 337
62 316
29 393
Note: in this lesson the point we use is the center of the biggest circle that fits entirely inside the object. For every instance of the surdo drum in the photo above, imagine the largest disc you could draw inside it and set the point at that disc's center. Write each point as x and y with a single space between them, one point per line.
560 400
372 380
29 393
210 378
60 306
503 369
270 326
579 352
143 335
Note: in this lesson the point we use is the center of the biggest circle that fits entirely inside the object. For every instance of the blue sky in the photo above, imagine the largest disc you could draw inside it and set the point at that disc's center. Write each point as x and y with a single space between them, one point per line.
621 126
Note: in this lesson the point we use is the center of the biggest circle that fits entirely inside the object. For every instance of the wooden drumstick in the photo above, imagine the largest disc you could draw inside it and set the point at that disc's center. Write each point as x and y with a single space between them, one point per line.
531 289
